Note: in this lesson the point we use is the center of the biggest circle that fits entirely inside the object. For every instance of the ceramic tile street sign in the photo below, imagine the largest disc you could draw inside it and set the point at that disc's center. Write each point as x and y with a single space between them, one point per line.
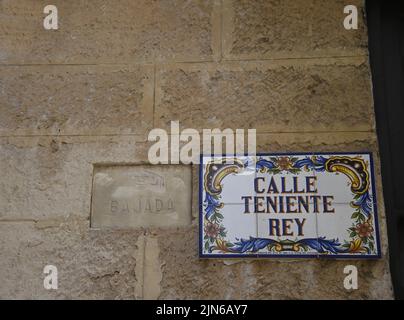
288 205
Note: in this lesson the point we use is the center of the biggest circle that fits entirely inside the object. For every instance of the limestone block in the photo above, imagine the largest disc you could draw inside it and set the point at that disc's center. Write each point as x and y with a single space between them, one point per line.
75 99
278 96
92 264
290 28
101 31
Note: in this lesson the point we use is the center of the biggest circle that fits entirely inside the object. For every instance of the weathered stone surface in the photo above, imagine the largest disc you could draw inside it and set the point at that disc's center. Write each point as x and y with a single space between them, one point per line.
99 114
141 196
290 28
51 177
101 31
92 264
75 100
281 96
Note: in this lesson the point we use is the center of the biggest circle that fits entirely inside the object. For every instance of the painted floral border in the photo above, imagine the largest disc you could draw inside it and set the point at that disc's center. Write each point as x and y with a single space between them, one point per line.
361 233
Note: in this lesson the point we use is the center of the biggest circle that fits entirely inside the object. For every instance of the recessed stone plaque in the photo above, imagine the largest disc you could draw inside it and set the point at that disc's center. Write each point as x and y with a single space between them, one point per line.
134 196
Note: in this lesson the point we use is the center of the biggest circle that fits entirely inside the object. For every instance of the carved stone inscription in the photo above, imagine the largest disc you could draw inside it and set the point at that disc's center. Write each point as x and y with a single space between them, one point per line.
132 196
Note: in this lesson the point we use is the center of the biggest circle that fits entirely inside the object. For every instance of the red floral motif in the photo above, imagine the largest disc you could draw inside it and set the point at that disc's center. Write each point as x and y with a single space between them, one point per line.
364 230
212 230
284 163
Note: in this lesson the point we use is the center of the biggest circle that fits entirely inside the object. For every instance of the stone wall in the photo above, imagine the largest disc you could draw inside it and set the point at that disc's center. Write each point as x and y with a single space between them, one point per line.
89 93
